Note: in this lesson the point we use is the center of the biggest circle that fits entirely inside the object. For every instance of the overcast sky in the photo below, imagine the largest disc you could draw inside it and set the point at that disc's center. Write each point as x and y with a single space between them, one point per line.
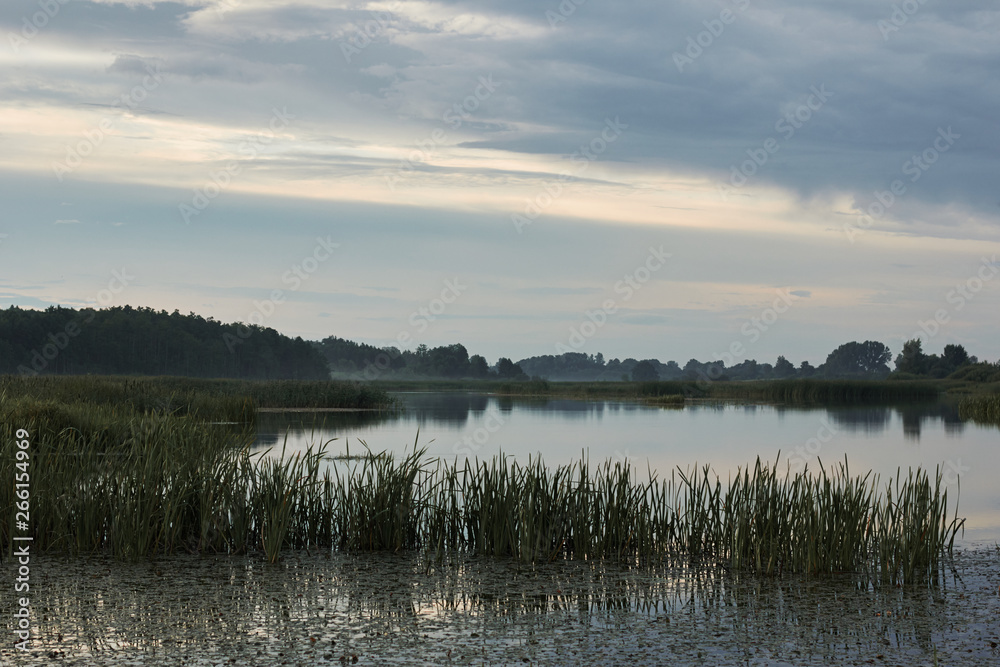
641 179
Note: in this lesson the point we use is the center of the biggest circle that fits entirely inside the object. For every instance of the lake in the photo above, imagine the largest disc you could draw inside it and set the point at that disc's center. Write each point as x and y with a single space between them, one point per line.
726 435
317 606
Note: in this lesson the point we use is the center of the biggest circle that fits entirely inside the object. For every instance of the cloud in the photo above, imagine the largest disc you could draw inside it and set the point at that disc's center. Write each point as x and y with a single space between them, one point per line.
403 149
554 291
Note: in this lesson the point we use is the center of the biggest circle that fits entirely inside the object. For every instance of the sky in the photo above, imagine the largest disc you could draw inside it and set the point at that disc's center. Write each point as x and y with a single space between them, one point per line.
727 179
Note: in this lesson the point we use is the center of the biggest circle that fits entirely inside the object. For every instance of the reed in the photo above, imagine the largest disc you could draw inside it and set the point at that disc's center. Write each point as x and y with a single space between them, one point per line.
210 400
667 400
139 484
824 391
984 409
793 391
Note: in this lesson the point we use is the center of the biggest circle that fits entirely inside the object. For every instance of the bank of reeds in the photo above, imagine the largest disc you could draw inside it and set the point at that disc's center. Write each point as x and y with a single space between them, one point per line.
597 390
162 483
667 400
762 521
209 400
984 409
793 391
824 391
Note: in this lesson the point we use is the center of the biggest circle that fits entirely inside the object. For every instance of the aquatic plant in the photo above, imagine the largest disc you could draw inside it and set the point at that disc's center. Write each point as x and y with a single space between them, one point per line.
824 391
984 409
139 483
211 400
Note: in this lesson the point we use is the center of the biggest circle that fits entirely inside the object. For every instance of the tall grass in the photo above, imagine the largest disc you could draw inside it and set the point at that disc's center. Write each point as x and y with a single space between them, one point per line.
824 391
778 391
175 484
984 409
762 521
214 400
137 484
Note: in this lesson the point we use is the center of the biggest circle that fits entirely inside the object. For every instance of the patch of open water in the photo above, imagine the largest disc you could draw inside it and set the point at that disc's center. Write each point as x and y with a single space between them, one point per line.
401 609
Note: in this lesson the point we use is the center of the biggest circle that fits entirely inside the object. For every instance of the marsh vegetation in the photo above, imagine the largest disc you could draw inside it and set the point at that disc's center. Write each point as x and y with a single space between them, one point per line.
984 409
142 467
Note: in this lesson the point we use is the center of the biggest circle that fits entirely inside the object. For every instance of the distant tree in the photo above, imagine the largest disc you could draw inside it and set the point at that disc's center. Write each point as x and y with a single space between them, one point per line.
566 366
507 369
868 359
955 357
693 369
748 369
142 341
347 356
937 367
449 361
671 371
912 359
806 369
478 368
710 370
783 368
645 371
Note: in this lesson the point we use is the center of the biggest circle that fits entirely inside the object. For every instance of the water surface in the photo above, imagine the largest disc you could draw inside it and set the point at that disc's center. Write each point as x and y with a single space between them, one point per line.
724 435
401 609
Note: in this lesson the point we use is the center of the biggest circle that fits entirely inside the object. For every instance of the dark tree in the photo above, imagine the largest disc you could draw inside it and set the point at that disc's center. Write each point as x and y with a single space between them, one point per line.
645 371
478 368
693 369
142 341
449 361
955 356
783 368
671 371
868 359
912 359
507 369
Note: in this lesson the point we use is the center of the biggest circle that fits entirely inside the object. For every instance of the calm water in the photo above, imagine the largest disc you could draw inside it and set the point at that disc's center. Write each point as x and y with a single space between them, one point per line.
322 607
726 436
398 609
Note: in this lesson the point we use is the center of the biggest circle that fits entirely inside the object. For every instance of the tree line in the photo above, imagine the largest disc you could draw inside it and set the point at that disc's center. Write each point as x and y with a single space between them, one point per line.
366 362
868 360
144 341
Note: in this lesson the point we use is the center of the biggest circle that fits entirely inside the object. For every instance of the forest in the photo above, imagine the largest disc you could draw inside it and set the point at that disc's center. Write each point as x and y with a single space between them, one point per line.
142 341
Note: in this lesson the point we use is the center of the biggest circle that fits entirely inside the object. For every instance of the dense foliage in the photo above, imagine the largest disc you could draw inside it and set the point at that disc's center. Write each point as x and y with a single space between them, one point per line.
913 361
142 341
208 399
366 362
141 479
851 361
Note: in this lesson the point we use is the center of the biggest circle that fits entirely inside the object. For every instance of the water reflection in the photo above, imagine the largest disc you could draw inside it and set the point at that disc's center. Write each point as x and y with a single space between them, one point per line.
383 606
453 410
914 417
727 435
457 410
273 427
